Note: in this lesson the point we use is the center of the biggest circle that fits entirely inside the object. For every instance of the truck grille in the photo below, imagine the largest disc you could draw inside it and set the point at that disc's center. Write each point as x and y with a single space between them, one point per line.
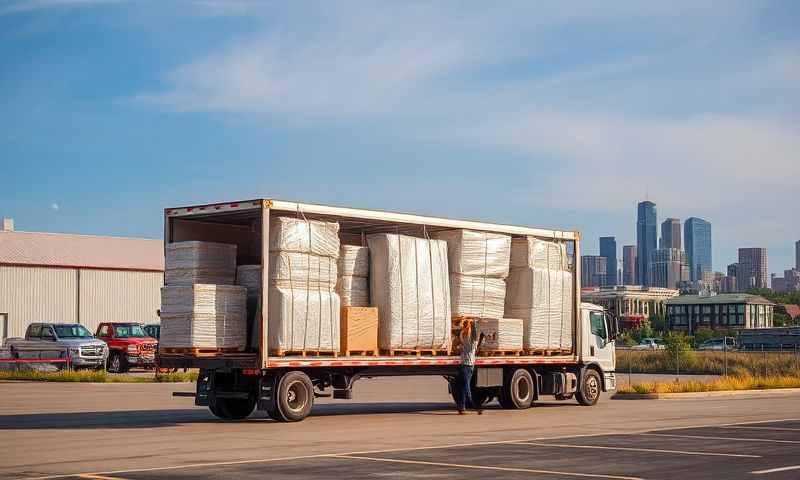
147 348
92 351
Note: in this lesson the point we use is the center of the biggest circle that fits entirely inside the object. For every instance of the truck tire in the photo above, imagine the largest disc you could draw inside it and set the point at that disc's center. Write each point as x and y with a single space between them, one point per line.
590 387
518 390
295 397
117 363
232 408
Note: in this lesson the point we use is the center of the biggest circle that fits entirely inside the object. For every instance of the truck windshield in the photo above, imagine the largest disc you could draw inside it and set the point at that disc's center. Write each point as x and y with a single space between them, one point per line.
72 331
129 331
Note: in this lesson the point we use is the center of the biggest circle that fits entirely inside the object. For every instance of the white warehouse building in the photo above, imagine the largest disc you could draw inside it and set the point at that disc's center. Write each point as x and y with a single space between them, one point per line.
64 278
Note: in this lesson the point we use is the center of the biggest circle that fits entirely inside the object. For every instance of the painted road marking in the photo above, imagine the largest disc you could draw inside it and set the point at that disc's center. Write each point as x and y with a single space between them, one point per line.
733 439
487 467
93 476
775 470
780 429
635 449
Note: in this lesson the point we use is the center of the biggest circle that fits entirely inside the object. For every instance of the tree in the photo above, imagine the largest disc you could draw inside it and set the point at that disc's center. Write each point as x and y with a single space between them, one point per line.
677 349
658 322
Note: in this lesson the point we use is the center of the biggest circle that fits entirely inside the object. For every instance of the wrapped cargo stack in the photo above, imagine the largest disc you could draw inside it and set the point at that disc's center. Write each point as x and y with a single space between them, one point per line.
409 285
502 336
303 306
353 282
540 291
478 265
201 309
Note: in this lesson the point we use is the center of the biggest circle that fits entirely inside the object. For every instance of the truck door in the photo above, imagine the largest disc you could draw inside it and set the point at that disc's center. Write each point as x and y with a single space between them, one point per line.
601 345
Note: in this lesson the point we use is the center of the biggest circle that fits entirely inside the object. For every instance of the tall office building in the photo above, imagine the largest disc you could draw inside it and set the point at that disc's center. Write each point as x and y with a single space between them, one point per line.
697 243
797 255
646 239
608 249
668 267
752 271
671 233
629 265
593 271
733 270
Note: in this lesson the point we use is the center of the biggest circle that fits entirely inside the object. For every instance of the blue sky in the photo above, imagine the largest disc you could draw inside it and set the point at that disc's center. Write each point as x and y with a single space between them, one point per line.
542 113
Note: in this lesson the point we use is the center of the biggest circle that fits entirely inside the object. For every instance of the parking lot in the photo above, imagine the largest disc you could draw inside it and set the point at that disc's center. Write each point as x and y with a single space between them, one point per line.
398 428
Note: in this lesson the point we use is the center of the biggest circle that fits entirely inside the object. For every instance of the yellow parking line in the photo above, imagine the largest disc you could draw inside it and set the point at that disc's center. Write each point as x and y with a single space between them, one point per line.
775 470
94 476
486 467
635 449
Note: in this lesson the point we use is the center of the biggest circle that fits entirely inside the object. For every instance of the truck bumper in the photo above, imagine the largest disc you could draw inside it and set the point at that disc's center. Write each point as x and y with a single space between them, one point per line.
88 361
139 361
609 381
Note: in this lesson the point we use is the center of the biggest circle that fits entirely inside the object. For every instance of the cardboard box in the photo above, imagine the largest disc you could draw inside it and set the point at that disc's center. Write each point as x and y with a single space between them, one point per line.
359 330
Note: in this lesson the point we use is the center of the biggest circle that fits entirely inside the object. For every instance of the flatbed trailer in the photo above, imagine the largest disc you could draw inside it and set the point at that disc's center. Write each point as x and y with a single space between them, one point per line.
232 384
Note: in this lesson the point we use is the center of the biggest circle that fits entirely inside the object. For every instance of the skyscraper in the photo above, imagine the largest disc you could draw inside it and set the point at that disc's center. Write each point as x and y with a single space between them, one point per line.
629 265
593 270
733 270
752 269
646 239
667 267
797 255
608 249
671 233
697 242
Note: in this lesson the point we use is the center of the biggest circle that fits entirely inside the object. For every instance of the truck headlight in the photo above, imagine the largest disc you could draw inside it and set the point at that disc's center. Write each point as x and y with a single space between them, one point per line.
133 349
75 352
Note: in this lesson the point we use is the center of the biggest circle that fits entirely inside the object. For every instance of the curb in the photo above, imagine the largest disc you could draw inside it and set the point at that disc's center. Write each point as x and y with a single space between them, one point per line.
694 395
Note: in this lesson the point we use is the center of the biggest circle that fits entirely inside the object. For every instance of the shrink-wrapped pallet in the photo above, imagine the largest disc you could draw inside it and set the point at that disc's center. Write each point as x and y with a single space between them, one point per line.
471 252
543 299
203 316
187 263
303 320
249 276
353 282
409 285
289 234
501 334
302 270
532 252
475 296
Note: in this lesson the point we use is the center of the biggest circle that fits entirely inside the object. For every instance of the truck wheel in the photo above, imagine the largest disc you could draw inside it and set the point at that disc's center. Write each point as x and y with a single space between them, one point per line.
117 363
517 391
295 397
589 391
232 408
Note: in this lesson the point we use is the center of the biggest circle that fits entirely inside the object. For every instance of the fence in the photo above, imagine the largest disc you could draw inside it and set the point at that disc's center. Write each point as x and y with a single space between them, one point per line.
44 359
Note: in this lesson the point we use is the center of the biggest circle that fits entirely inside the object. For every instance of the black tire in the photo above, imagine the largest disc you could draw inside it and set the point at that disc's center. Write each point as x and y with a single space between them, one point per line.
295 397
518 390
232 408
589 390
117 363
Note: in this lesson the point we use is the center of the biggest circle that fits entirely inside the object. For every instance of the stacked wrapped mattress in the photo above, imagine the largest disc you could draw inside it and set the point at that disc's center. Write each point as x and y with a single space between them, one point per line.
353 282
540 291
409 285
187 263
203 316
501 334
478 264
303 306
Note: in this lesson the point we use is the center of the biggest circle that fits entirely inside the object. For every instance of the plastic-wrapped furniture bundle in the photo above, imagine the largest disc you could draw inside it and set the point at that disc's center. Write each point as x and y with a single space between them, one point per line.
353 282
478 263
501 334
187 263
541 293
303 311
409 285
203 316
475 296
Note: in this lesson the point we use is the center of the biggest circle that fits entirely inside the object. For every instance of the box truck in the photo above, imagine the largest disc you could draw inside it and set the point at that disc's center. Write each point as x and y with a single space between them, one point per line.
234 383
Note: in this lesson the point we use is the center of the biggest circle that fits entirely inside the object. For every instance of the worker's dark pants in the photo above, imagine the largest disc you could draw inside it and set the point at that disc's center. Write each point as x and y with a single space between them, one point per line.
463 390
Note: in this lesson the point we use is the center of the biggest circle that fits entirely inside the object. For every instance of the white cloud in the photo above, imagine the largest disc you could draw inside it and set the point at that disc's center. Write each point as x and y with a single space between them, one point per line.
55 207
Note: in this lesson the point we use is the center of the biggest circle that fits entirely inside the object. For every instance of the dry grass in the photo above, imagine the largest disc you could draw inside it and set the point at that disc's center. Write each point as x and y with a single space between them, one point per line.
743 382
95 377
710 363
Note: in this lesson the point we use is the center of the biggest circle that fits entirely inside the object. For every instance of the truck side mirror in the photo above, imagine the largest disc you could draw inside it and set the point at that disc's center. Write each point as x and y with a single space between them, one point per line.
613 327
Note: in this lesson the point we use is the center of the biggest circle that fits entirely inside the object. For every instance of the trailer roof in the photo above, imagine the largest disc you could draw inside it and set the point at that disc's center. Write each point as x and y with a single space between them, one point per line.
368 221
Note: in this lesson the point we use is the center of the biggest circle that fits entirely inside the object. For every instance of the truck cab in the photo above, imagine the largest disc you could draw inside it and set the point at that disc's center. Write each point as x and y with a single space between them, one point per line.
597 347
129 346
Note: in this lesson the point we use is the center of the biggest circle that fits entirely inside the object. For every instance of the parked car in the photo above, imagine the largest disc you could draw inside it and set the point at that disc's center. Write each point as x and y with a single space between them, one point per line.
650 344
727 343
129 346
58 340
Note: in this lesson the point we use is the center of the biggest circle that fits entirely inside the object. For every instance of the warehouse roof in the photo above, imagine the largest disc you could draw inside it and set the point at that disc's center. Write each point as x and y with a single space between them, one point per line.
85 251
717 299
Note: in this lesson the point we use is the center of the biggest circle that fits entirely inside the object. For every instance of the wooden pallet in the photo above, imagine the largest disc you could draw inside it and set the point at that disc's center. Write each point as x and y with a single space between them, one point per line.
415 352
361 353
200 351
500 353
547 352
303 353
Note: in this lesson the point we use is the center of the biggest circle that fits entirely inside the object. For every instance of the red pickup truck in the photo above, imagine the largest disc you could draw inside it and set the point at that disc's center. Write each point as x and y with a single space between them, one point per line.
129 346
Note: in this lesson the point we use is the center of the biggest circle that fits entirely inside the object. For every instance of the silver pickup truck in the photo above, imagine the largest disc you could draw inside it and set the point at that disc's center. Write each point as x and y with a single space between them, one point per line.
43 340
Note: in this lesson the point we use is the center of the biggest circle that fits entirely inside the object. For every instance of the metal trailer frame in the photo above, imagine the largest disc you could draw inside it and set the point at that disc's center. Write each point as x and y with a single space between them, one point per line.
264 207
